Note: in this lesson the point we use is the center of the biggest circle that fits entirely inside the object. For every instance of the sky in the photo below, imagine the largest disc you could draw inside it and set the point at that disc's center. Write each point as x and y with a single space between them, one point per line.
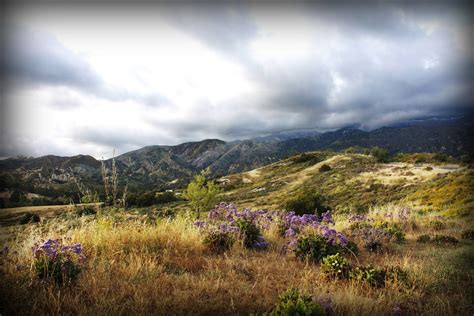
91 77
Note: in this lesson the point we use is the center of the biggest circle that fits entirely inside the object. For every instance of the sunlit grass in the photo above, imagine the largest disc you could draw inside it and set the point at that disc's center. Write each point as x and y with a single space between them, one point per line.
162 267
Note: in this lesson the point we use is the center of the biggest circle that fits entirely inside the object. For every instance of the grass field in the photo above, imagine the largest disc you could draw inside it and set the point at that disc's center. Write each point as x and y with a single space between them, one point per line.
140 263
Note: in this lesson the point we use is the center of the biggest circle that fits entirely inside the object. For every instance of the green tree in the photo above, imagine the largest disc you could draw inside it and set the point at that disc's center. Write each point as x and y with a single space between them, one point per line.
201 193
381 154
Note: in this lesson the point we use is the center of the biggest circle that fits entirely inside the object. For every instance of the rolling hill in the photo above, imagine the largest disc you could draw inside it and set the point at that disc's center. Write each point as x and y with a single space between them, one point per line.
154 167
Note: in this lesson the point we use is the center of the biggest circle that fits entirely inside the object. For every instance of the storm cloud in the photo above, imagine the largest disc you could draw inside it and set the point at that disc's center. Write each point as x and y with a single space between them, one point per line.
87 78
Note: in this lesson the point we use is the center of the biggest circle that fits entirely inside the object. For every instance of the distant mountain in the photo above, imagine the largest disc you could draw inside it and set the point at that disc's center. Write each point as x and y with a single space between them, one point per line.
154 167
286 135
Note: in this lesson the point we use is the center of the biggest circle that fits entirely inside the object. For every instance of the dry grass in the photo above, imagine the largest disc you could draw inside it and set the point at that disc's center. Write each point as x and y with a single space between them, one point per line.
163 268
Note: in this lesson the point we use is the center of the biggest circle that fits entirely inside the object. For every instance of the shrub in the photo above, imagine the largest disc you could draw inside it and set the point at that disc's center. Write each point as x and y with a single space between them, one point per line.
379 276
307 202
424 239
396 274
150 198
85 210
351 247
166 213
219 241
248 233
380 154
293 303
336 266
324 168
444 239
58 262
369 274
314 247
393 229
437 224
29 218
468 234
374 239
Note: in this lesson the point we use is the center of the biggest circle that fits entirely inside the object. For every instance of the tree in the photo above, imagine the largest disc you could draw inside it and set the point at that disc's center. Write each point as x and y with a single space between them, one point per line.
380 154
201 193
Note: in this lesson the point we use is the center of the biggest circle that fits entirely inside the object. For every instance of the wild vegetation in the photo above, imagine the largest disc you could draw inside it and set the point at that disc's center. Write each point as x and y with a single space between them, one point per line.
360 237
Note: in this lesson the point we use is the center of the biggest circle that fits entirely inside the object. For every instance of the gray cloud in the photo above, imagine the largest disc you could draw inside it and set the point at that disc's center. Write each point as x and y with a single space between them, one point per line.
368 64
36 58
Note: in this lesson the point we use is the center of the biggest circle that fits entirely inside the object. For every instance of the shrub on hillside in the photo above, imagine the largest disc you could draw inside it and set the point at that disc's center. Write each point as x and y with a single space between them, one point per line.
380 154
248 233
292 303
324 168
437 224
369 274
444 239
336 266
150 198
315 247
308 202
29 218
219 241
306 157
393 229
468 234
379 276
424 239
85 210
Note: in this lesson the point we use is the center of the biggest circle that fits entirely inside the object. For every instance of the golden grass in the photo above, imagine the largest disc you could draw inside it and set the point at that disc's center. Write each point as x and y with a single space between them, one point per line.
163 268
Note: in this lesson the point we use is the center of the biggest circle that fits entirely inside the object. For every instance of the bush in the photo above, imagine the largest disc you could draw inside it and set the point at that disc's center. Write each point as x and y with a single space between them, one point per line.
351 248
58 262
424 239
468 234
336 266
248 233
371 275
444 239
314 247
396 274
324 168
218 242
374 239
377 276
437 224
29 218
307 202
85 210
149 198
166 213
293 303
380 154
393 229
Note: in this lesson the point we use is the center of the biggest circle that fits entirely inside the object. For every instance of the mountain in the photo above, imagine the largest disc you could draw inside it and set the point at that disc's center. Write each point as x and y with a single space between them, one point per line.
155 167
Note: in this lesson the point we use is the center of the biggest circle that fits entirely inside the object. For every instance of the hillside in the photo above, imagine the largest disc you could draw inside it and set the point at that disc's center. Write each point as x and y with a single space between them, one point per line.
155 167
354 182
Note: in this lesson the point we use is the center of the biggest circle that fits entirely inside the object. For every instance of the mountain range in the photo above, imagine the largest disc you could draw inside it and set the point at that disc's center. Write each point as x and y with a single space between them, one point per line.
154 167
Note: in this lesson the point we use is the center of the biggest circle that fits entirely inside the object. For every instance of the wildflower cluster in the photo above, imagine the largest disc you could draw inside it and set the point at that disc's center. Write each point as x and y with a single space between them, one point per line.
229 214
229 223
374 234
311 236
57 261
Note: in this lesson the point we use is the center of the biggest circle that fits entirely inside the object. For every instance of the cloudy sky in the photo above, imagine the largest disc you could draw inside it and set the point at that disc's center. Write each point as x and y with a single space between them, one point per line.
87 78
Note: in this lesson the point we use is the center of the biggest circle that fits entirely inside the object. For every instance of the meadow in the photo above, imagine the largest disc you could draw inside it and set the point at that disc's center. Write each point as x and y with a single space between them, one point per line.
395 258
